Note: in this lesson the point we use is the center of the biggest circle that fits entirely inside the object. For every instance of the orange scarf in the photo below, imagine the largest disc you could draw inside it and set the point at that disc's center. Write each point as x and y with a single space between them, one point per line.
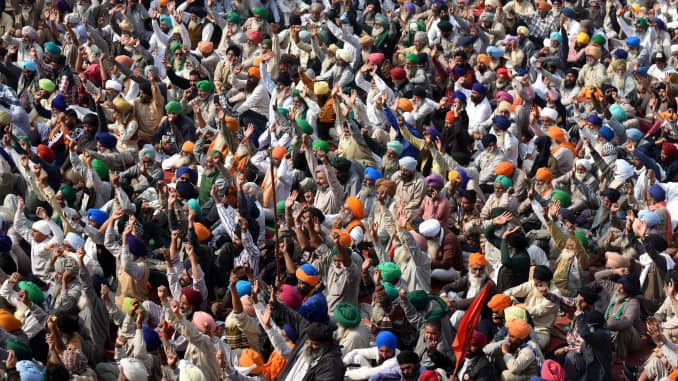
565 144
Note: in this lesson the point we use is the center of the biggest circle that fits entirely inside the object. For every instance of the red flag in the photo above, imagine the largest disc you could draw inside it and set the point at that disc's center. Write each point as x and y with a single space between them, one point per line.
468 323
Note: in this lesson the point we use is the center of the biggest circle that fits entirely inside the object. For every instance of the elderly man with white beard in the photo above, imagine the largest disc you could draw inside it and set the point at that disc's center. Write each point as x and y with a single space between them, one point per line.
580 184
443 248
462 292
341 73
340 273
24 44
390 154
367 194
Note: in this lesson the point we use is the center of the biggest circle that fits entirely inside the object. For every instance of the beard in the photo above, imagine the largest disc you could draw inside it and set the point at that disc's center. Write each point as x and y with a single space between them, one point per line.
209 171
193 25
346 218
477 99
377 31
540 188
475 283
389 163
591 61
249 87
473 354
433 247
581 176
365 191
312 355
569 84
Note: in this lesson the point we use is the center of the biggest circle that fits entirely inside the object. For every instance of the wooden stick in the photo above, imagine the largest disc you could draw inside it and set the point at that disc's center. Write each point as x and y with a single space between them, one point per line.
464 349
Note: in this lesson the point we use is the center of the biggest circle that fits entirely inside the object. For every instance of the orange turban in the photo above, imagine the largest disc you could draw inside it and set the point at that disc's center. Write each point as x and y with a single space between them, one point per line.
556 133
588 92
356 207
544 174
201 231
499 302
504 168
388 185
344 237
124 60
279 152
205 47
254 72
449 116
477 259
249 358
232 124
188 146
405 105
518 328
543 6
163 3
485 59
8 322
257 62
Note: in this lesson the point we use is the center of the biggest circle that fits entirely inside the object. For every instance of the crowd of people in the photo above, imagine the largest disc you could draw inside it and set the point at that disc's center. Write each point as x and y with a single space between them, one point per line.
338 190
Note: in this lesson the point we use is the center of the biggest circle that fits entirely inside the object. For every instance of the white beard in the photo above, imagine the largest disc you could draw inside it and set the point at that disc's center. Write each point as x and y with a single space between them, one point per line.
401 256
377 31
257 25
475 284
540 188
581 176
433 248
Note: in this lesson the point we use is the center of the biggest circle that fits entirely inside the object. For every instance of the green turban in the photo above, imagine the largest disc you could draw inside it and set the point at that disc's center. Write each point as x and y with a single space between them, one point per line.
618 113
598 39
52 48
643 22
34 292
100 168
306 128
342 164
177 45
381 19
285 112
22 137
335 252
413 58
418 298
193 204
173 107
148 153
395 146
127 303
21 349
261 12
205 86
267 42
617 63
390 291
321 145
234 18
347 315
69 194
562 196
390 272
582 238
280 208
505 181
47 85
322 37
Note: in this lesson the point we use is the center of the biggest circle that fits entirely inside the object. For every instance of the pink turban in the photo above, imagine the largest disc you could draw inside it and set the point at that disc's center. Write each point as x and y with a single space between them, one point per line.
200 318
504 96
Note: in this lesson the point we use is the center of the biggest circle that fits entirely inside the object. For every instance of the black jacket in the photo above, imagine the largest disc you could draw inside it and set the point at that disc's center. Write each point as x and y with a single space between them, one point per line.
478 369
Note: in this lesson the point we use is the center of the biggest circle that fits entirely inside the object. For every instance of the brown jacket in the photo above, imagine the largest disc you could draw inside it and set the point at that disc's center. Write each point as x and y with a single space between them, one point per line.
450 254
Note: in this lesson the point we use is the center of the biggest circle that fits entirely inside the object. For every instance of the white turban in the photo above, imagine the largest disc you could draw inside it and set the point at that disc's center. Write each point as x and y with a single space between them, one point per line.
430 228
585 163
408 162
30 32
651 218
74 240
549 113
73 18
345 55
42 226
113 85
190 372
133 369
409 118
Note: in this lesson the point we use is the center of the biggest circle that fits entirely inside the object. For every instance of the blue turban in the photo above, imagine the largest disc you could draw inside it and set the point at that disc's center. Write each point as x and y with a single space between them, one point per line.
466 41
373 174
650 217
479 88
136 246
502 122
632 41
567 215
634 134
97 215
6 243
59 103
488 139
186 190
660 23
459 70
151 338
28 65
556 36
568 12
433 132
386 339
408 162
315 308
657 192
612 194
594 119
459 95
607 133
107 140
642 71
52 48
183 170
243 287
621 54
631 284
495 52
289 331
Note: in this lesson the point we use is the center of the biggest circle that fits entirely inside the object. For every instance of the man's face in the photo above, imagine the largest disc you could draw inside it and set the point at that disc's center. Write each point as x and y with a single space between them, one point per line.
381 195
515 342
193 80
409 371
404 173
607 202
203 95
172 117
386 353
466 204
498 318
315 345
498 189
540 285
320 178
145 98
431 334
367 181
477 270
184 306
146 161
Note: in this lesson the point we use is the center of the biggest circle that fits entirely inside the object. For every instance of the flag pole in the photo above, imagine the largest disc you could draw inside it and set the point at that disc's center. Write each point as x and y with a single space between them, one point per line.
275 210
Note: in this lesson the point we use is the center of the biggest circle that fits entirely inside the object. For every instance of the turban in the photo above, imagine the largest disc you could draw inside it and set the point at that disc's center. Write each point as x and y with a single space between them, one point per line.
449 116
651 218
193 204
552 371
499 302
342 164
279 152
205 86
418 298
504 181
308 274
193 297
254 72
376 58
251 361
45 153
321 88
28 370
598 39
435 180
543 5
122 105
585 163
612 194
290 296
305 36
593 51
347 315
582 237
136 246
484 59
544 174
97 215
669 149
607 133
435 134
113 85
556 133
173 107
479 88
356 207
618 113
523 30
390 291
186 190
556 36
395 146
657 192
255 36
124 60
63 264
133 369
388 186
501 122
568 12
68 193
634 134
30 32
21 349
321 145
477 259
642 21
562 196
503 73
379 18
421 37
52 48
201 318
34 292
594 119
478 339
495 52
201 231
74 240
567 215
306 128
518 328
59 103
549 113
466 41
405 105
583 38
373 174
319 332
542 273
166 20
261 12
8 322
151 338
390 272
28 65
234 17
107 140
408 162
47 85
386 339
504 168
345 55
42 227
430 228
504 96
631 284
398 73
188 146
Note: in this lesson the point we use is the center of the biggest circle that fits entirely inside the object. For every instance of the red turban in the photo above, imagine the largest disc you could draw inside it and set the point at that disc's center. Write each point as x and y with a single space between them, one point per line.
192 296
46 153
670 149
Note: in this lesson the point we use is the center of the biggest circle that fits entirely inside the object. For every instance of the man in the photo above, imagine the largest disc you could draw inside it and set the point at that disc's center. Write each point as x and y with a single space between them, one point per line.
435 205
476 367
373 360
592 74
148 110
563 151
409 184
543 311
341 73
461 293
623 314
478 109
340 273
381 218
519 356
350 218
351 333
408 369
487 161
447 261
174 130
367 193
